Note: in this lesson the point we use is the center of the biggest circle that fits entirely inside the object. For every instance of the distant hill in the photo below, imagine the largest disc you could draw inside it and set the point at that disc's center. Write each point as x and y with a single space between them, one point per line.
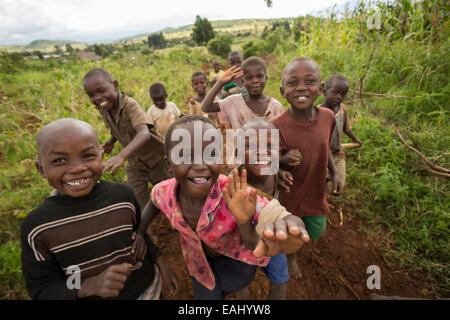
218 25
44 45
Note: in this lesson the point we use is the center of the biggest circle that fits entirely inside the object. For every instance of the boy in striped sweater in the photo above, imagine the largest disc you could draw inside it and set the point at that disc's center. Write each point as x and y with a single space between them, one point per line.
77 244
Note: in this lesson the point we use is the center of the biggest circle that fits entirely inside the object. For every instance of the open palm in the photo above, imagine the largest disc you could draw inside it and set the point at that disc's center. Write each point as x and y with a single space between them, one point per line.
241 203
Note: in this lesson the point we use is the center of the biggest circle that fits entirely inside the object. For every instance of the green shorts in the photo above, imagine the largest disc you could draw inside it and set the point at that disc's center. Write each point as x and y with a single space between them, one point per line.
315 225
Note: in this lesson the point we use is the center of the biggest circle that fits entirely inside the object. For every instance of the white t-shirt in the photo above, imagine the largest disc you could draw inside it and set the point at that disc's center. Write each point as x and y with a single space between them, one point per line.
162 119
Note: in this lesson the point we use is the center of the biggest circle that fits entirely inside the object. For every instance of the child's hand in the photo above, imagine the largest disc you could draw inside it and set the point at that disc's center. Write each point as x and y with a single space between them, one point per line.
241 204
139 247
108 283
168 276
108 146
285 235
358 142
285 180
337 184
230 74
113 164
292 158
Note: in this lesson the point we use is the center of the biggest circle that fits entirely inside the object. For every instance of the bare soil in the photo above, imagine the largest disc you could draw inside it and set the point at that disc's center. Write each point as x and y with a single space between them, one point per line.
333 267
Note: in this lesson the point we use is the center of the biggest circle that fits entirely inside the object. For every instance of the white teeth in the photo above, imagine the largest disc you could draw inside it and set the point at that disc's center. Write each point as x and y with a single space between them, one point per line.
301 98
103 103
76 183
199 180
262 162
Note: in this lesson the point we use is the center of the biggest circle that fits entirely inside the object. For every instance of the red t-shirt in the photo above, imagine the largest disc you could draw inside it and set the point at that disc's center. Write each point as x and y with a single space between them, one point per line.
307 196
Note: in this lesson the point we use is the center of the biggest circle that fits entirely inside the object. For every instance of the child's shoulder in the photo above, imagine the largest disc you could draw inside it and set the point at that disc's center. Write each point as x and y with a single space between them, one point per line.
325 112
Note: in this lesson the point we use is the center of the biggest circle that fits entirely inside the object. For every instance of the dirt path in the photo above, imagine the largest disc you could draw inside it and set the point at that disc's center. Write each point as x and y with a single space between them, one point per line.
334 267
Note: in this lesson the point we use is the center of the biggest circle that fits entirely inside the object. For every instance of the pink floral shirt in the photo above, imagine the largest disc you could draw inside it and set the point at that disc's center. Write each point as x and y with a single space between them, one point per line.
216 227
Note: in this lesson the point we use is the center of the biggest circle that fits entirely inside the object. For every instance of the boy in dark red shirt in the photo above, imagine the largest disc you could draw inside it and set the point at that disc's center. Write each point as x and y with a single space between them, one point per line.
305 133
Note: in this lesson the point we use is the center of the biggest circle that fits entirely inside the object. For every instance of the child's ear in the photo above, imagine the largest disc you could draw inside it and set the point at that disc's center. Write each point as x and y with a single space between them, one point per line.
282 91
116 84
321 88
39 169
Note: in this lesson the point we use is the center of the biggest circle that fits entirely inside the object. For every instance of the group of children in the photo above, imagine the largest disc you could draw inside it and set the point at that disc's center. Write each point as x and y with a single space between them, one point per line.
228 224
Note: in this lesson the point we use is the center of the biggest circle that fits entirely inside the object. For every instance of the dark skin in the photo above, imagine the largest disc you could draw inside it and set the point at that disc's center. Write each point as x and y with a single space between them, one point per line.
255 79
285 235
199 84
69 151
301 85
334 96
105 94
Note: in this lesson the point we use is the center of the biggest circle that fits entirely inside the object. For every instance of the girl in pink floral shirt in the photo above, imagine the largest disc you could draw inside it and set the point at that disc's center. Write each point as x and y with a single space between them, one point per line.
215 216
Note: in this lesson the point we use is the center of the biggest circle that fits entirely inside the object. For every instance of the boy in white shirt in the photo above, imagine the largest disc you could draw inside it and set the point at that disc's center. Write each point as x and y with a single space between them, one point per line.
162 113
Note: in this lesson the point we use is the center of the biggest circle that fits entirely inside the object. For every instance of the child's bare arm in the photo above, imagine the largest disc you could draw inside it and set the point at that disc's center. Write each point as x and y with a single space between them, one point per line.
139 247
208 104
142 136
355 139
335 177
107 284
249 237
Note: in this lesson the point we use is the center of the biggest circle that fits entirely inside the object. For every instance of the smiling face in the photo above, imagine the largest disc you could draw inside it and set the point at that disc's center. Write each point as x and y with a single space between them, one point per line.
255 79
102 93
70 158
252 147
195 180
301 84
199 84
335 94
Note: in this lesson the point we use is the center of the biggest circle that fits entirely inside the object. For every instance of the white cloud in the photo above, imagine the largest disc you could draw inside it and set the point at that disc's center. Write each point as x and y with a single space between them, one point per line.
26 20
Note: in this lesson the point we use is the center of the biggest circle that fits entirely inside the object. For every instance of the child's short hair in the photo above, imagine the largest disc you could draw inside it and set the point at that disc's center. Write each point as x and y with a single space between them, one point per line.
157 89
198 73
253 61
179 122
334 79
297 60
98 72
234 53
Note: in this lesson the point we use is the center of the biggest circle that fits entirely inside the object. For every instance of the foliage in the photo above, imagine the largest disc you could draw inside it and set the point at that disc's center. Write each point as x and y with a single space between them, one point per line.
202 31
220 45
157 41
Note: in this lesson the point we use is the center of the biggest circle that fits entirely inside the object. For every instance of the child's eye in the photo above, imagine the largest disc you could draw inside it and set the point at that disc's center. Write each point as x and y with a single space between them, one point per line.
58 161
90 155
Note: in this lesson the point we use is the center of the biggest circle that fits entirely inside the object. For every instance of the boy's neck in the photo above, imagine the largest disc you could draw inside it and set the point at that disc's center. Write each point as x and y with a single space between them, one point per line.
326 105
200 97
308 114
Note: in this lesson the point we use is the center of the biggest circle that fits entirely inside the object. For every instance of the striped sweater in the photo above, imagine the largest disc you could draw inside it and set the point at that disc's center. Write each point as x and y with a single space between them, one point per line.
92 233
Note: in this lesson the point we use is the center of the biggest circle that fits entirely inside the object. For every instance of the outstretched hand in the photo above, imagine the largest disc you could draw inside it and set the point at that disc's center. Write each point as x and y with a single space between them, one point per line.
241 203
113 164
285 235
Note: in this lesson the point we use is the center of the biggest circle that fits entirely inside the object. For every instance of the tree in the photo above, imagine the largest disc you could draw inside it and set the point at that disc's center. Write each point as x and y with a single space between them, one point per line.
202 31
220 45
157 41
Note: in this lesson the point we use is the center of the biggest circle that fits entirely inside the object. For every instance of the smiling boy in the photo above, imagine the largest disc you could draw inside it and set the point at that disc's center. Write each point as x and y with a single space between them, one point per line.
87 224
306 130
128 122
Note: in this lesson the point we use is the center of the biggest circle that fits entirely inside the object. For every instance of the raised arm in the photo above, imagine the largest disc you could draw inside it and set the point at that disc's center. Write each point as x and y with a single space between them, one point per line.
208 104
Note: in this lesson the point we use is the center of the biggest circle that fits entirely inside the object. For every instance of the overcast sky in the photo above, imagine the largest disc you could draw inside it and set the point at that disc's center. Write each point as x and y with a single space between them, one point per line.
22 21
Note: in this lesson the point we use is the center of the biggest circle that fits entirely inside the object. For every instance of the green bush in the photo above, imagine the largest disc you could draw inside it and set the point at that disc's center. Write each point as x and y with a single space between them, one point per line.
220 45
